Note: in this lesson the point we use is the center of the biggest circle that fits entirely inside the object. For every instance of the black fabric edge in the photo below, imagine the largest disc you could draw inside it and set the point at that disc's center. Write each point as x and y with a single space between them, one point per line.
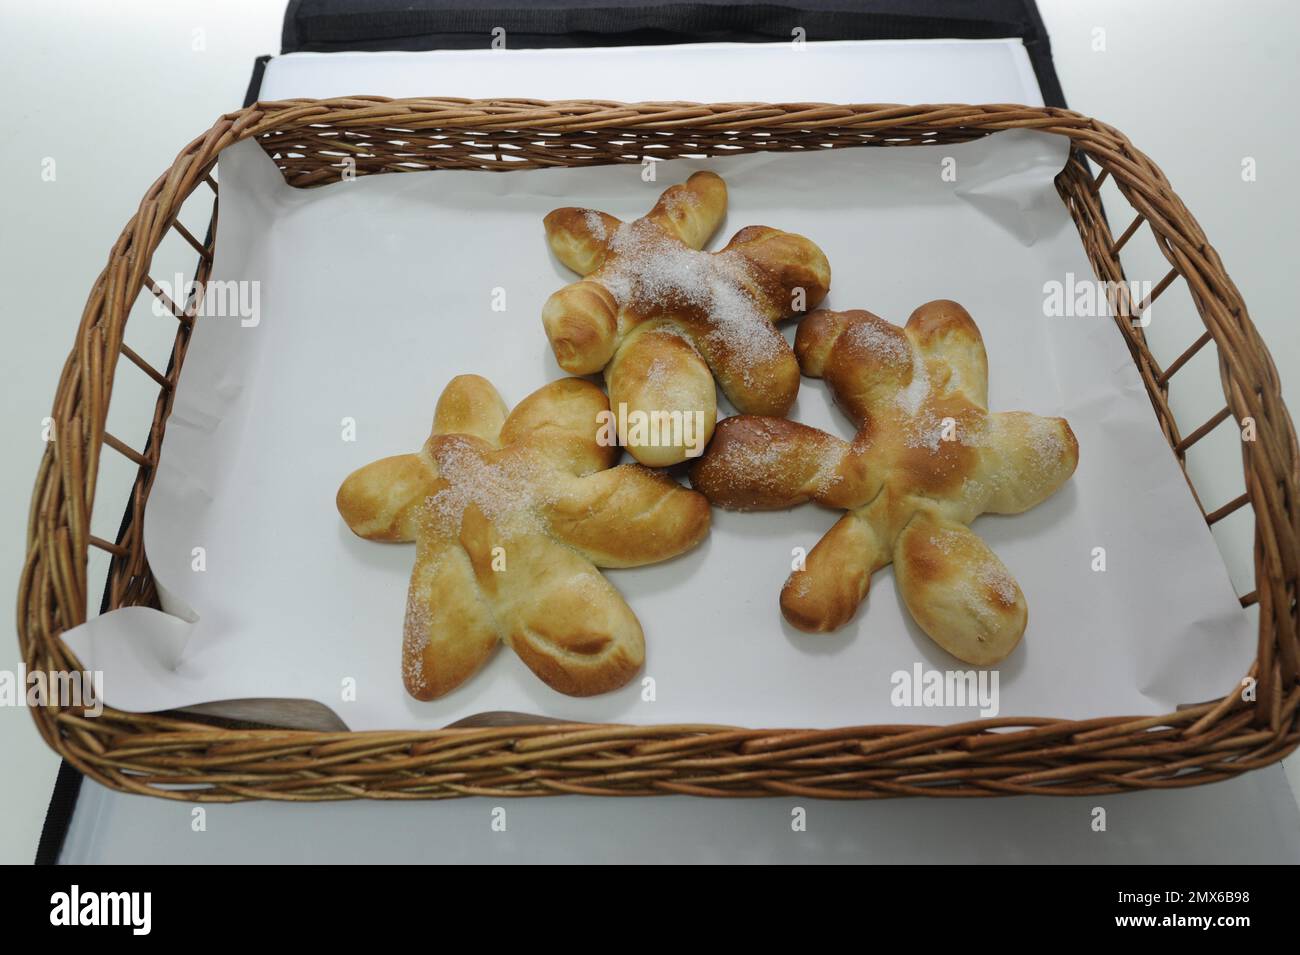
58 816
433 26
255 81
615 25
1039 46
289 39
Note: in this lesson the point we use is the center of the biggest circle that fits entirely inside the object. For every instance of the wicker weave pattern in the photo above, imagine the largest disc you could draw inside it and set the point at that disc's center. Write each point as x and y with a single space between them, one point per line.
313 141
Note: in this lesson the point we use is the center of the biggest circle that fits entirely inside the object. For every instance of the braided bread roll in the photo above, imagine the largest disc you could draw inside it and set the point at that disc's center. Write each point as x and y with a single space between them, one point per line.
928 459
662 320
511 514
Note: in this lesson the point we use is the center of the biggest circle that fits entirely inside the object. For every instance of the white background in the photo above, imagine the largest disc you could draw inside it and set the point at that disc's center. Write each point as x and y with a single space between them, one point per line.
112 91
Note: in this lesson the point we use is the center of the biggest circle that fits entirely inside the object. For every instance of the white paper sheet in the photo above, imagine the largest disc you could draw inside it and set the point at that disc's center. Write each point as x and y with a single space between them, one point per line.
376 292
834 71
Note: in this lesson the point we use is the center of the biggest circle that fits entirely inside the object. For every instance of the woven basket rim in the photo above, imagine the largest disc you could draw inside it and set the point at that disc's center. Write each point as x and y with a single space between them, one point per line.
1201 743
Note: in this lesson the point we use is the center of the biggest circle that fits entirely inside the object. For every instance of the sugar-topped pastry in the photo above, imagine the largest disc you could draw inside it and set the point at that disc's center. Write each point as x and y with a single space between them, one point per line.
928 458
511 514
663 319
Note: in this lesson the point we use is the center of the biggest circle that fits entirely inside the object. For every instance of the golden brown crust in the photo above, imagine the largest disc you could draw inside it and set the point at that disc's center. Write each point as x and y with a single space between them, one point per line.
379 500
627 516
928 459
570 238
835 578
639 374
449 632
763 464
581 321
470 405
958 591
721 306
554 609
511 516
691 210
558 422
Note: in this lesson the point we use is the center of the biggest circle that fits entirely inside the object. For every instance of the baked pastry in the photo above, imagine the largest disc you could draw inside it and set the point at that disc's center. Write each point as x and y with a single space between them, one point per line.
927 460
663 319
511 514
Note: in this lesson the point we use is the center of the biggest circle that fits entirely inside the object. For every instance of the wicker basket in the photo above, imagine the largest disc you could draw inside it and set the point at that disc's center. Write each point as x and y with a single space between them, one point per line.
183 758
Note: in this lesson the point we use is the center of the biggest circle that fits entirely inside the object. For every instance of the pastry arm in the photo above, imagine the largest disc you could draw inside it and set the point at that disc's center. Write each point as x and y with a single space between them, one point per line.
758 463
1027 459
657 378
448 634
561 422
836 576
865 360
581 322
944 330
470 405
628 516
692 210
755 369
785 264
381 500
958 591
554 609
580 237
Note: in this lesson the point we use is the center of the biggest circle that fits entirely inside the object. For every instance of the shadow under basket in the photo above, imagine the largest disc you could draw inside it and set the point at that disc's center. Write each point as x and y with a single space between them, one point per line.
315 142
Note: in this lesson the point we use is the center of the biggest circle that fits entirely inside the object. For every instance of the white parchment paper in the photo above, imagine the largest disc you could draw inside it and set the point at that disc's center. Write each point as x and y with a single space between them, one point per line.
374 293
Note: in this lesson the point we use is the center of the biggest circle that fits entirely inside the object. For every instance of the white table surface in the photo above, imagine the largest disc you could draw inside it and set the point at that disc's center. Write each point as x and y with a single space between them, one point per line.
1247 820
138 80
